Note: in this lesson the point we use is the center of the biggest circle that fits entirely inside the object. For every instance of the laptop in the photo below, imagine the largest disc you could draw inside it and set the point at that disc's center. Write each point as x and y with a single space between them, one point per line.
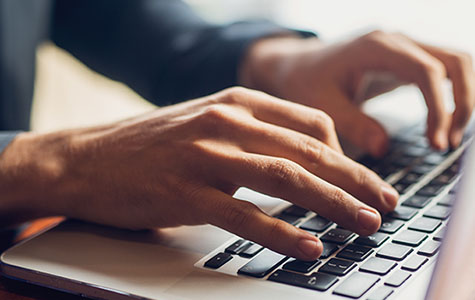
423 249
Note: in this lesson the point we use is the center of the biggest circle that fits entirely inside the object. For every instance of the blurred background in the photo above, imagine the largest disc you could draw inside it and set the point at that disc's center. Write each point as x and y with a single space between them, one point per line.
76 96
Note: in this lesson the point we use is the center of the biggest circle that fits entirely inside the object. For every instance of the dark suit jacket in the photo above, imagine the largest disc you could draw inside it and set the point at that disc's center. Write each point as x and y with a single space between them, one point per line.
160 48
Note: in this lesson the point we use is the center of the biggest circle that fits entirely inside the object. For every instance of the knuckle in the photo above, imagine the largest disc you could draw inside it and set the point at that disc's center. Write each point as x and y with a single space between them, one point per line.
237 216
215 113
326 125
462 61
338 198
312 150
464 58
235 95
282 171
375 37
276 228
432 69
214 120
364 178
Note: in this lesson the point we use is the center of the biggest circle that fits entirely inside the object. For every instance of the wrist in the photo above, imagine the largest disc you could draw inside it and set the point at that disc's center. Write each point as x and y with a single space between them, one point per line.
269 61
32 176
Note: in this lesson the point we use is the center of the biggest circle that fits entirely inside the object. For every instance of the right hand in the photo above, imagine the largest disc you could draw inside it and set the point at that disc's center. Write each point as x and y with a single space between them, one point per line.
180 165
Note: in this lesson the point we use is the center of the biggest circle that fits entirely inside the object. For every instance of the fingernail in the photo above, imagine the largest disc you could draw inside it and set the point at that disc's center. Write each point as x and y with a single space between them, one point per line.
369 220
310 248
390 196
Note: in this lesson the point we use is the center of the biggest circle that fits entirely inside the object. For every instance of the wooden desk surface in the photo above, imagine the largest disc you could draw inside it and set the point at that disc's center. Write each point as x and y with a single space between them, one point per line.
16 290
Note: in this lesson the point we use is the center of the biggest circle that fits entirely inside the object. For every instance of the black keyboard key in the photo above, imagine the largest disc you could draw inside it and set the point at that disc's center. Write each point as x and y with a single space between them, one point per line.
317 224
237 246
337 266
394 252
403 161
355 252
297 211
385 170
390 225
337 236
397 278
356 285
291 219
431 190
445 178
438 212
251 250
447 200
401 188
410 238
425 224
439 235
411 178
378 266
417 201
403 213
316 281
429 248
218 260
414 262
375 240
328 249
381 293
301 266
261 265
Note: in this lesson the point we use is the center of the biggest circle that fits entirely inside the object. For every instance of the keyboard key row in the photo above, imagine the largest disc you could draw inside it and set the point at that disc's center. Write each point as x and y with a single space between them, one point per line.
377 266
337 266
316 281
262 264
424 224
301 266
375 240
316 224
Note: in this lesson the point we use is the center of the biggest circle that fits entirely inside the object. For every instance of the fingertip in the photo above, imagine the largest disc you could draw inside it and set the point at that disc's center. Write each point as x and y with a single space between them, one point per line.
440 140
390 195
309 248
455 138
369 220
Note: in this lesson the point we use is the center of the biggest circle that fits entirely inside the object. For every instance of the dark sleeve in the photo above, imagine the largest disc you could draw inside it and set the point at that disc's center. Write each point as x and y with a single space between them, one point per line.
160 48
5 138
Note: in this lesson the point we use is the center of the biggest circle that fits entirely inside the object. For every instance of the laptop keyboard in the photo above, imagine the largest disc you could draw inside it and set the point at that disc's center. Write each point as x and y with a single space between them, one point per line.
375 266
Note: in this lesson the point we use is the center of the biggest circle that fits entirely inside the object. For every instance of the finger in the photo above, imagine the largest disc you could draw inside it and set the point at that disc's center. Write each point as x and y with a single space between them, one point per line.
413 64
320 160
248 221
301 118
285 179
360 129
460 70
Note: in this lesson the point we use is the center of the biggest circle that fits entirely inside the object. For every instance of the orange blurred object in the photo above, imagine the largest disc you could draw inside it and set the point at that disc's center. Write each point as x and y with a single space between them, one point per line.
37 226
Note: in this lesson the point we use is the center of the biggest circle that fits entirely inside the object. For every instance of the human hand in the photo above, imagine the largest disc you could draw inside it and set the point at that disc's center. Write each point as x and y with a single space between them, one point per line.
328 77
180 165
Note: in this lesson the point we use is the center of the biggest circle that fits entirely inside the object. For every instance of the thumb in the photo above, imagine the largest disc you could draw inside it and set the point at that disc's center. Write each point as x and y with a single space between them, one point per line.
357 127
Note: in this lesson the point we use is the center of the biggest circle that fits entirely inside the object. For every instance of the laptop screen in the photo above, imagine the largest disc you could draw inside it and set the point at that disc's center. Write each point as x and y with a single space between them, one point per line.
454 274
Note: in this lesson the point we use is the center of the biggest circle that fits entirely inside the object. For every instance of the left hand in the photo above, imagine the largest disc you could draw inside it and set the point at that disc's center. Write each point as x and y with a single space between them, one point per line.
328 77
